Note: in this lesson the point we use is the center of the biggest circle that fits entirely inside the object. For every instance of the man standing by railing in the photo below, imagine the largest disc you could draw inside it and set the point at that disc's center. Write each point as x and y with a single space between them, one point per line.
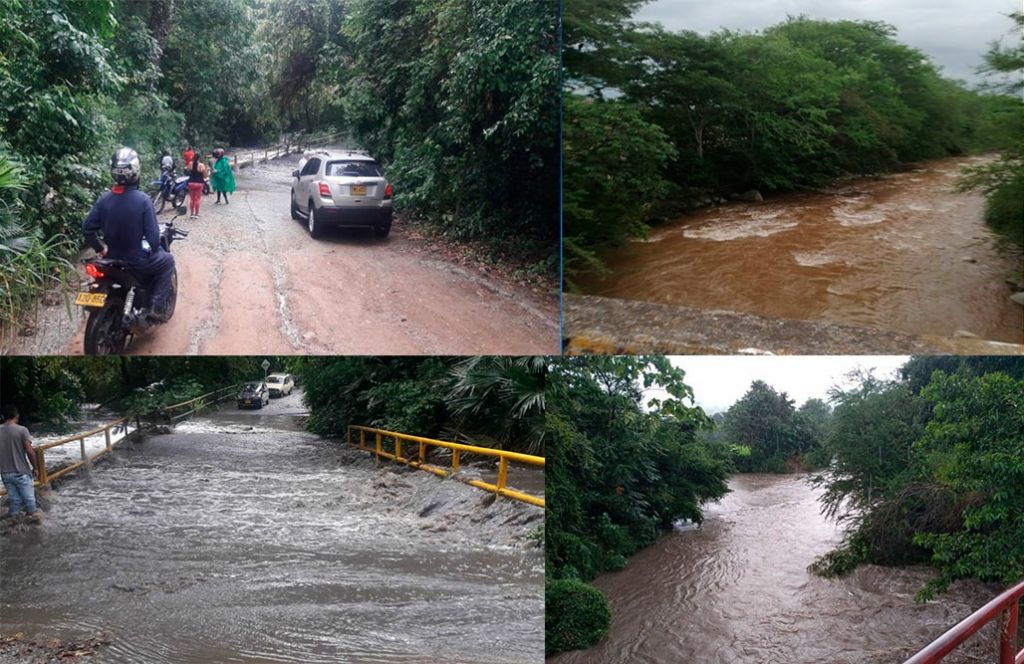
18 466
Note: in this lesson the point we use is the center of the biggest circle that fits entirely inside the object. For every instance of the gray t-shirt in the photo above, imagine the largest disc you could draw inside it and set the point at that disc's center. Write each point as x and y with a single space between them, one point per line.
12 449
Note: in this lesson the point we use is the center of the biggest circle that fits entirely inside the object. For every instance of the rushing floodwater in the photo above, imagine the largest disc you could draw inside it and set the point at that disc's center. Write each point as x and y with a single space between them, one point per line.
241 538
903 253
737 590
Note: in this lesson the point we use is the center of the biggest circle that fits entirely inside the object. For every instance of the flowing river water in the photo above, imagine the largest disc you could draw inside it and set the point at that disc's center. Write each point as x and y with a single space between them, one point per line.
905 252
737 590
239 537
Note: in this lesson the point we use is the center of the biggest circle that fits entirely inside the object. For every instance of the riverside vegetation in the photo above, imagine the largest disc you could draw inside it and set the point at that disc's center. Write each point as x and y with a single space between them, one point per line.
695 118
926 468
458 99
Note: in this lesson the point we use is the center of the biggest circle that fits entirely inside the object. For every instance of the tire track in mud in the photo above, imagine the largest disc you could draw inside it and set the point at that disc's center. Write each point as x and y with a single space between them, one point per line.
288 326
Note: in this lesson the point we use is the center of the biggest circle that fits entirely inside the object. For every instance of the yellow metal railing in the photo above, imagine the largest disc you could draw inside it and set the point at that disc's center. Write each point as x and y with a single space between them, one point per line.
46 477
457 449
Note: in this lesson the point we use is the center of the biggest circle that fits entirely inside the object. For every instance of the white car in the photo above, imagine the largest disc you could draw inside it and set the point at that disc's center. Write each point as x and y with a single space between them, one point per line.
280 384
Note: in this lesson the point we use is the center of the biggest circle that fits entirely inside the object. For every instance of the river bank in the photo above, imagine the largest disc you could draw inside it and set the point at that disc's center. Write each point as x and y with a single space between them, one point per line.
737 589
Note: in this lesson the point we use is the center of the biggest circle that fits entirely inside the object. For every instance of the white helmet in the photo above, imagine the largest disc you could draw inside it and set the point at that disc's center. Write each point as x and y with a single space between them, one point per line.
124 166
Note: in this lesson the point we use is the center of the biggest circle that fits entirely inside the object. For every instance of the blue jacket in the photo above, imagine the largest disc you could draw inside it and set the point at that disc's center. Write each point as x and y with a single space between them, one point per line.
124 216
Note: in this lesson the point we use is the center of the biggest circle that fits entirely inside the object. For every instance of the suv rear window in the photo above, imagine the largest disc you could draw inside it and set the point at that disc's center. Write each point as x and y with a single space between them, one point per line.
352 169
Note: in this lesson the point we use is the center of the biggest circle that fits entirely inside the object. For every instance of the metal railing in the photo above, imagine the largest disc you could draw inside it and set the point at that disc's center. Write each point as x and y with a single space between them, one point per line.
190 407
45 477
198 403
1006 606
275 151
457 449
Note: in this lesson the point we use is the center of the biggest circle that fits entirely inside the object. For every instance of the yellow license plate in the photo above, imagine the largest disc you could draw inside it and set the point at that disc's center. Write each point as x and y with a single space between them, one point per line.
91 299
359 190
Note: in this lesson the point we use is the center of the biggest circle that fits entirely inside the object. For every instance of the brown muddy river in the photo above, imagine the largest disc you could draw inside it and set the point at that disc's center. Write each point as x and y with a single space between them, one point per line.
737 590
238 537
902 253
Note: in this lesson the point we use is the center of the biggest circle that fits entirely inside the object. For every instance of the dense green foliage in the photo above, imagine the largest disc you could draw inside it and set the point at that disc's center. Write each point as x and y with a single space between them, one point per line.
48 390
795 105
1003 180
576 615
775 436
458 98
621 467
931 470
490 401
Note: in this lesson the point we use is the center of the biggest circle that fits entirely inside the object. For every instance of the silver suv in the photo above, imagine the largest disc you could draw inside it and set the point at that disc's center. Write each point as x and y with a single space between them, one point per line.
341 189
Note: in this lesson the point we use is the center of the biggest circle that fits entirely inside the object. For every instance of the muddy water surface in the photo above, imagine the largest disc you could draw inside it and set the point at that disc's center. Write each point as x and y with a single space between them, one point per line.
737 590
903 253
241 538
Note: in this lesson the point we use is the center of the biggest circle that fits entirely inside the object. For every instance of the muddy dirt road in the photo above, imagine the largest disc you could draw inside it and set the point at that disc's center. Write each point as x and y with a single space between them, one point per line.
737 590
252 281
239 537
904 253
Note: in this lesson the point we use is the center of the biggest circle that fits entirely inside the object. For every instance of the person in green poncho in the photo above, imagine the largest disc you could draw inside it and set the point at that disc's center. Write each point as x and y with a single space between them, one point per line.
223 180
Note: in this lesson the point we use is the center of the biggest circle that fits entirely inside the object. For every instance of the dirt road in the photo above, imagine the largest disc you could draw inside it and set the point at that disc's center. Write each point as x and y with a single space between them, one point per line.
252 281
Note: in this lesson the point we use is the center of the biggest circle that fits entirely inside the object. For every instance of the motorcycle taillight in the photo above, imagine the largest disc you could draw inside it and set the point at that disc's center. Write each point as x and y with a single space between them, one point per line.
93 271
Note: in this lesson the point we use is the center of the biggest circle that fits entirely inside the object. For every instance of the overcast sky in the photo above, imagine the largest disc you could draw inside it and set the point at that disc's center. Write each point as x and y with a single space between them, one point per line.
719 381
953 32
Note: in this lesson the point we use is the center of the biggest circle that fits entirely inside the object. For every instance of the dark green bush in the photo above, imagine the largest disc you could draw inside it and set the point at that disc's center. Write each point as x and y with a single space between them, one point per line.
576 615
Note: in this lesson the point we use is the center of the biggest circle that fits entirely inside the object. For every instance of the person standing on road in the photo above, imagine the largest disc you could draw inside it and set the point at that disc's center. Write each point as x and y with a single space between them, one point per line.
196 180
18 466
223 179
189 156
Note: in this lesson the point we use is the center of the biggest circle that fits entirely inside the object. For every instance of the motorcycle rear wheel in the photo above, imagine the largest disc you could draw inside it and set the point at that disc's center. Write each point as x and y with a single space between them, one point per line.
104 330
172 299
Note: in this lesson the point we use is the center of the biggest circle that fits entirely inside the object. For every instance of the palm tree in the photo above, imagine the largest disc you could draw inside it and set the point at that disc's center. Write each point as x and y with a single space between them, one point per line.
501 399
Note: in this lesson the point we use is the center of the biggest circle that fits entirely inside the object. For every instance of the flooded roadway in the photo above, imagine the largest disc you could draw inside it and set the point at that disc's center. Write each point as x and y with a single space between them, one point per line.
902 253
737 590
241 538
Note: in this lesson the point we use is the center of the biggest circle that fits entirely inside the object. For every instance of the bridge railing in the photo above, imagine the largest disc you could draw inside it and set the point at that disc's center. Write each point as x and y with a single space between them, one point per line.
124 424
395 440
189 407
1006 606
242 158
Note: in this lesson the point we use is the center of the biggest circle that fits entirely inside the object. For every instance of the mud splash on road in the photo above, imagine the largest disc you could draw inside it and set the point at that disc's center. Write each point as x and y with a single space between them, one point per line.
239 537
902 253
737 590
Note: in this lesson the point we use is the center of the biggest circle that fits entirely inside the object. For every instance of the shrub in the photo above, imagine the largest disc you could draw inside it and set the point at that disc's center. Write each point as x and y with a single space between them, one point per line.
576 615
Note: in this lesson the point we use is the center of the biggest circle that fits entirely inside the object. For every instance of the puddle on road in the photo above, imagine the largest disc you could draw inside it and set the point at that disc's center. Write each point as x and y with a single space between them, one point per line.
241 538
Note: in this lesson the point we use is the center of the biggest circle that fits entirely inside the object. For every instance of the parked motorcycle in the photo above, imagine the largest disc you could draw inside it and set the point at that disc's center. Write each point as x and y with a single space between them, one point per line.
168 189
115 299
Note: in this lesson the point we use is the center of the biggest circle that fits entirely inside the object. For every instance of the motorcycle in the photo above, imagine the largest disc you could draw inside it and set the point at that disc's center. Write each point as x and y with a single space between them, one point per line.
115 299
168 188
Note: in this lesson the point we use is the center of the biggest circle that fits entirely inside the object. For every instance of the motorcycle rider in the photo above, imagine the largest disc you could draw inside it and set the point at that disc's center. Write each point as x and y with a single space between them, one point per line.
127 220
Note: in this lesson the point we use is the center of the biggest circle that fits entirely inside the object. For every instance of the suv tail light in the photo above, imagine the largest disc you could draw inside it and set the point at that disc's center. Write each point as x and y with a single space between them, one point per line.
93 271
325 190
387 191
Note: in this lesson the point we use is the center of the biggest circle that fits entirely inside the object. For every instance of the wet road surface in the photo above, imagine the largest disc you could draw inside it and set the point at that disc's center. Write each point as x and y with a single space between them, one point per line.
252 281
737 590
903 253
241 538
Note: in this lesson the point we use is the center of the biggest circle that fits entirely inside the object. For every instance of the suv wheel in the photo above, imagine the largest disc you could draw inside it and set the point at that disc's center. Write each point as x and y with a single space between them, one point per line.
295 208
382 231
311 222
